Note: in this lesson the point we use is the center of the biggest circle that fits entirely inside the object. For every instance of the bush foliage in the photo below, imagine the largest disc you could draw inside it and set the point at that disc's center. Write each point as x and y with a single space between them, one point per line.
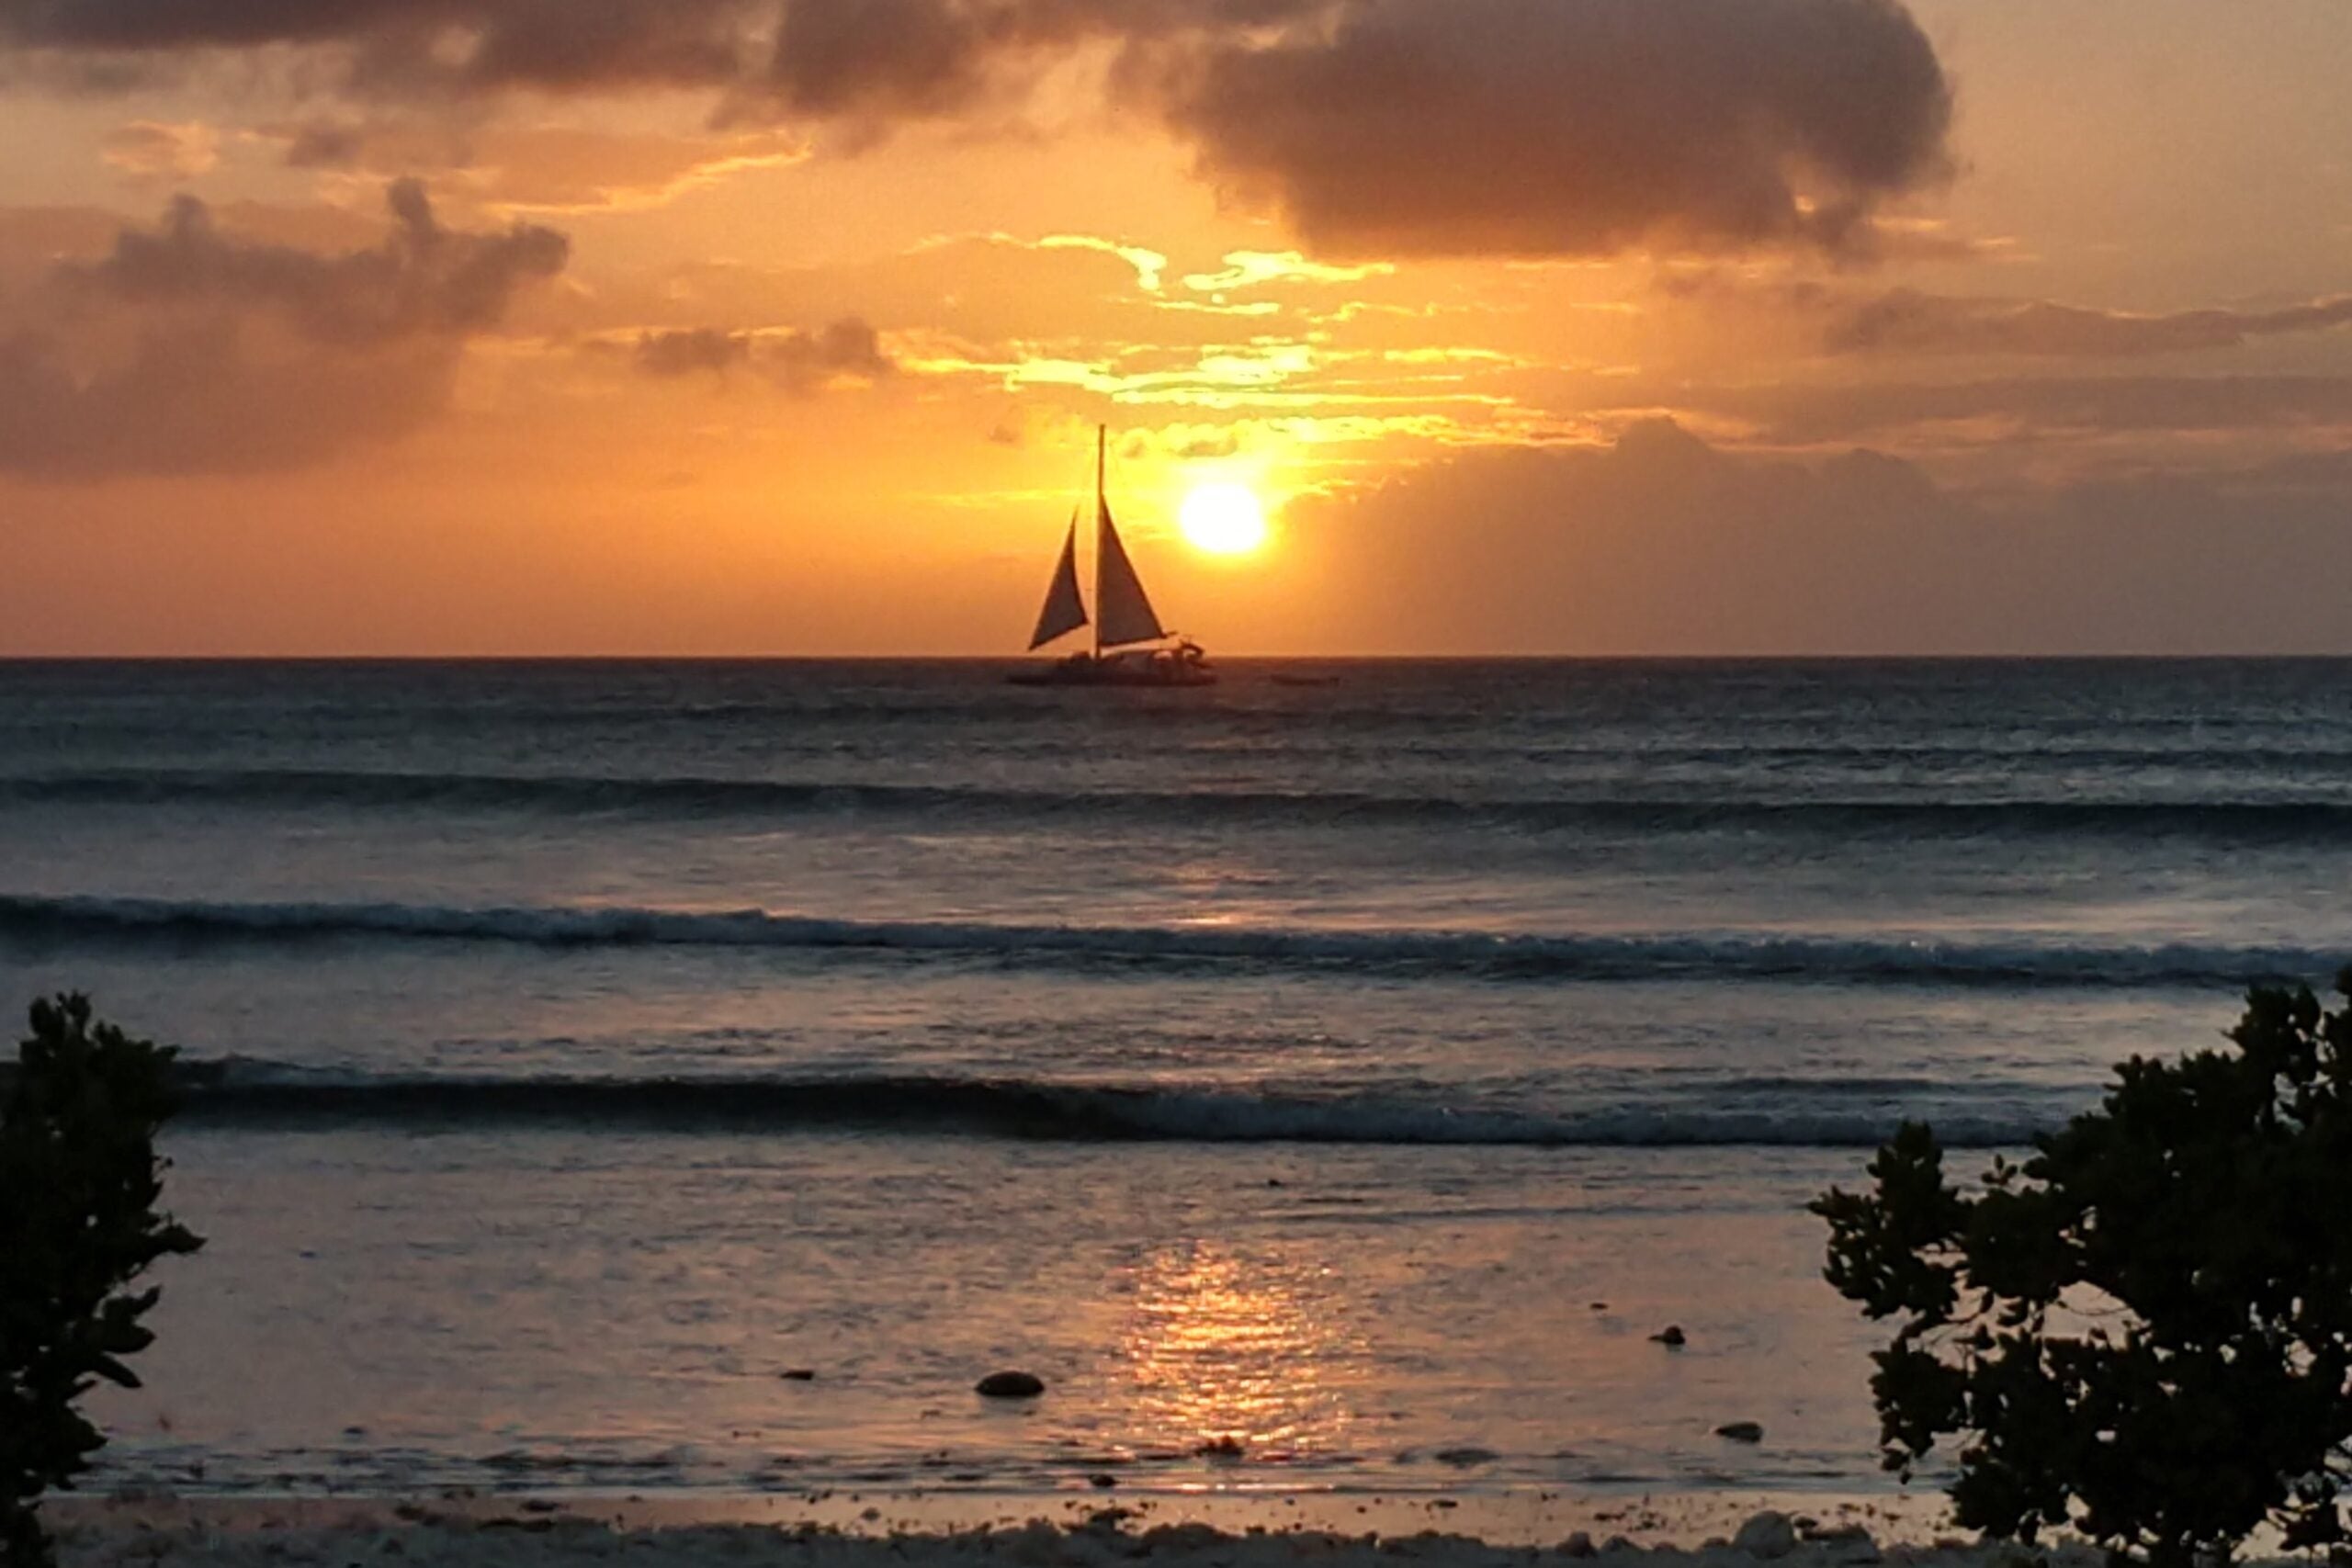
79 1184
2143 1331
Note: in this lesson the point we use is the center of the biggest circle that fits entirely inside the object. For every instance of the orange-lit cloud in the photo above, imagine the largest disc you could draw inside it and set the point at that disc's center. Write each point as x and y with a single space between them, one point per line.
152 152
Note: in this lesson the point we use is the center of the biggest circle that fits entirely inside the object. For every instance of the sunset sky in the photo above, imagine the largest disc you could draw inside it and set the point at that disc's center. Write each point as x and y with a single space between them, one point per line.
783 326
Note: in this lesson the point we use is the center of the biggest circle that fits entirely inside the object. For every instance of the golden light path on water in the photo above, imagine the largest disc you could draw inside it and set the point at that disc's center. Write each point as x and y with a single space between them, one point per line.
1218 1348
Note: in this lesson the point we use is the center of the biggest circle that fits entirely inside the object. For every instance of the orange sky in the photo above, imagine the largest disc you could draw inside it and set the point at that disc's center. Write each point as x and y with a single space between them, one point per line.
782 326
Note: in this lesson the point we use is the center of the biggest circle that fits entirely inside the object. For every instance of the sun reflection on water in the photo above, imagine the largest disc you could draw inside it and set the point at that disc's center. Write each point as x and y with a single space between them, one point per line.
1222 1347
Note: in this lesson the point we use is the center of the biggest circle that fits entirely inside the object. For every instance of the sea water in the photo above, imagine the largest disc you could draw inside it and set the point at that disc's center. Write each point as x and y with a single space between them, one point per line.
1330 1078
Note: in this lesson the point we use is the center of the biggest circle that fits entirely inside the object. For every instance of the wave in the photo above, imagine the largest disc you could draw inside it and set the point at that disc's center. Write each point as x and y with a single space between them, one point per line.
693 796
83 919
246 1094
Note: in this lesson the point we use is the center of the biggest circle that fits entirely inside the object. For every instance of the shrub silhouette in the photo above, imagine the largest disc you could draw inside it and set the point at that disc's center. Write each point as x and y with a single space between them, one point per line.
2146 1331
79 1181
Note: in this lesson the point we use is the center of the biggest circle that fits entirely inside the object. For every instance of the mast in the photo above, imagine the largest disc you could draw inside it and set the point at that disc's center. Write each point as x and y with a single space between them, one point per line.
1102 445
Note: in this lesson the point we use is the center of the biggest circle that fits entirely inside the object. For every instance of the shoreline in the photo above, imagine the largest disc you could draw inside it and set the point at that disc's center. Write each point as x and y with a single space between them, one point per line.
1512 1520
1223 1528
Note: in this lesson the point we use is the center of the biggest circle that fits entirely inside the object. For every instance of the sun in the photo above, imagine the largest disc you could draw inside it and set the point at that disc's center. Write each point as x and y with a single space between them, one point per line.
1223 519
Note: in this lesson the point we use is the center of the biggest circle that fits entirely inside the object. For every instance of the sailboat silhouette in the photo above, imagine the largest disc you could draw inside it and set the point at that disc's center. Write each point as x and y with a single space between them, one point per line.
1129 646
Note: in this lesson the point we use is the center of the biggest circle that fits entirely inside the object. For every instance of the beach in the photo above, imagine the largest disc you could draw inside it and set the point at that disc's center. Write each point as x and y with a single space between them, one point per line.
685 1081
1235 1530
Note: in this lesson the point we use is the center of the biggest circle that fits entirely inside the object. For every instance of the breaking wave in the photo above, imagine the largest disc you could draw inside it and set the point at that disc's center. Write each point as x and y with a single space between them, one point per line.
698 797
82 920
244 1093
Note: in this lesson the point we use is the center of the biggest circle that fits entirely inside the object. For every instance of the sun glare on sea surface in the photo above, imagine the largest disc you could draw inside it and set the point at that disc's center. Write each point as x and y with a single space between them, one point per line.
1223 519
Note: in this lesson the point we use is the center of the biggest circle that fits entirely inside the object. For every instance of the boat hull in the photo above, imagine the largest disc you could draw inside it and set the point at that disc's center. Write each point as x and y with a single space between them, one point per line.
1098 673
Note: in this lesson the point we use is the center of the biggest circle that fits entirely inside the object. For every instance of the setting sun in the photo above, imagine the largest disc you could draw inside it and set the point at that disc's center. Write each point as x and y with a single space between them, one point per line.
1223 519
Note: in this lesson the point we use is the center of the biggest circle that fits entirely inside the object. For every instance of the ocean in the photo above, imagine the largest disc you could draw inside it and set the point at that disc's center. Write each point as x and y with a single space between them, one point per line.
1329 1079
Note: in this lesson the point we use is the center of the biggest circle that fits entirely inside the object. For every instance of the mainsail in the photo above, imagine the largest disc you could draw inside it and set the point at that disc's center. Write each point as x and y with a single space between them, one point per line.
1119 597
1064 610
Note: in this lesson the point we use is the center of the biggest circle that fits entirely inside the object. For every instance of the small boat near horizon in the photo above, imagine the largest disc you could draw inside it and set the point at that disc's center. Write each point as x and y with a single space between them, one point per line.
1129 646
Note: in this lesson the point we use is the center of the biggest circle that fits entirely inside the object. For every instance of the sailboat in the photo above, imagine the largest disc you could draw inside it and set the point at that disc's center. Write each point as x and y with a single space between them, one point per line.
1129 646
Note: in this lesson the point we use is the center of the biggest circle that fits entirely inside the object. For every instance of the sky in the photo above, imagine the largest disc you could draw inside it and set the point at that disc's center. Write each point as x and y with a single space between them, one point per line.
719 327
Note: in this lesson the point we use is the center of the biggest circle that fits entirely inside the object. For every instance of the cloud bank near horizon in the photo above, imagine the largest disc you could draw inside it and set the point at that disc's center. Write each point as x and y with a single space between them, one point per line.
1661 542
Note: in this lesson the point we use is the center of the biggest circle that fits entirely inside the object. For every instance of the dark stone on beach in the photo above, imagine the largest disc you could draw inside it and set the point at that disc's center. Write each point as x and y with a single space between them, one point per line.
1010 1385
1670 1336
1769 1535
1220 1448
1741 1431
1579 1545
1103 1478
798 1374
1600 1306
1847 1543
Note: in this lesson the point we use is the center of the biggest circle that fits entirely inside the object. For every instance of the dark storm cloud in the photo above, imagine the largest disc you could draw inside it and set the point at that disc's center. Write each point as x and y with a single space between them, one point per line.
1406 126
187 349
1576 127
797 361
1906 322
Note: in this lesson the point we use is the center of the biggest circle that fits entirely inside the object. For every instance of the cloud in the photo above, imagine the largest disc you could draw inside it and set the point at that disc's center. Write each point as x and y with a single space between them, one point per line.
799 362
187 349
202 398
423 280
1577 126
1907 321
536 169
1248 269
893 58
1663 544
805 361
149 151
2048 406
1422 127
390 45
686 350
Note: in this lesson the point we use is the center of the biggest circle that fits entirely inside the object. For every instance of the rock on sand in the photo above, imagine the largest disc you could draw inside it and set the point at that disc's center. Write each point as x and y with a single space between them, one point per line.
1768 1535
1010 1385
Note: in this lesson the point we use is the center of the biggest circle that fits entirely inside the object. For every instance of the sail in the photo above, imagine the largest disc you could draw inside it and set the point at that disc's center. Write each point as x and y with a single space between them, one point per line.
1064 610
1119 597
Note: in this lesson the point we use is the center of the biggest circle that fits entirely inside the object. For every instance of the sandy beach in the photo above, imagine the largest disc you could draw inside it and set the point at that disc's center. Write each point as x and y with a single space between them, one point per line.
854 1530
